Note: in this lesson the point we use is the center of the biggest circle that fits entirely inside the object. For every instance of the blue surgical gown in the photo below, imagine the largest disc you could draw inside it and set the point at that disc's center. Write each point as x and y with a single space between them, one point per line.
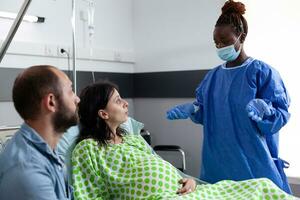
236 147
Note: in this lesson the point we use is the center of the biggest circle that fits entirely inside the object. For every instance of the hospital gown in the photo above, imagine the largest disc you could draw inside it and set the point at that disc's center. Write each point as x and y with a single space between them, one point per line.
235 147
131 171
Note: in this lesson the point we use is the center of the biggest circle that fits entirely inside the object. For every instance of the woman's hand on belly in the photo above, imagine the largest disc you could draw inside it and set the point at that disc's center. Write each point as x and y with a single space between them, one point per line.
188 185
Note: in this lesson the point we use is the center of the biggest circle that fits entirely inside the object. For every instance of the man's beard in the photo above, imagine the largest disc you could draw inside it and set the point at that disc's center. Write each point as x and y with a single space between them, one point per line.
64 118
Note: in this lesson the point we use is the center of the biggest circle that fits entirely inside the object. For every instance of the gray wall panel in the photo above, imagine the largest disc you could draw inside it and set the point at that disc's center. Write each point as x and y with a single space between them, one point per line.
123 80
178 84
7 78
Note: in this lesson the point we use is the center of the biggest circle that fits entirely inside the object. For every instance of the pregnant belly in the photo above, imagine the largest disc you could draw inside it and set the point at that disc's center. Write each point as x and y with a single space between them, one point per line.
152 177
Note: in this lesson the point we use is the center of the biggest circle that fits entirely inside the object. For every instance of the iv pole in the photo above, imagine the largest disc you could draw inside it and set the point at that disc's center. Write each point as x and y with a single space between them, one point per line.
73 20
74 45
14 28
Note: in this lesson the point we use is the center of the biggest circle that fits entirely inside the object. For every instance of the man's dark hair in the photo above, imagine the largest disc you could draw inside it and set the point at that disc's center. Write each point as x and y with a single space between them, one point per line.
31 86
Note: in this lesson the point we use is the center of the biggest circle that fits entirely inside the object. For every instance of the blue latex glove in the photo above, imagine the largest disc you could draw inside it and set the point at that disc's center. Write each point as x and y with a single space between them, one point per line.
182 111
258 108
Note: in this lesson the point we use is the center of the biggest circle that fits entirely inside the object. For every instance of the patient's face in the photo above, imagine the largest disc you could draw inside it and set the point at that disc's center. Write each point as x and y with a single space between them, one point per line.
117 109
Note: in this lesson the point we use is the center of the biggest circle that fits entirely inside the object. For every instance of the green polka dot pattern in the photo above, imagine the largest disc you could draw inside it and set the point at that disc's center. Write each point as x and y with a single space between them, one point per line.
131 171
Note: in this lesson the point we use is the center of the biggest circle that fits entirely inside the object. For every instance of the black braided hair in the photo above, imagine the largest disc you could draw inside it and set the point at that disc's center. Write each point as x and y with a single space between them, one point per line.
232 14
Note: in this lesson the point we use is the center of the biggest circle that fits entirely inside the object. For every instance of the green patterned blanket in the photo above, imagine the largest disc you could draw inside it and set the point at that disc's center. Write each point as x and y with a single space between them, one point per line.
131 171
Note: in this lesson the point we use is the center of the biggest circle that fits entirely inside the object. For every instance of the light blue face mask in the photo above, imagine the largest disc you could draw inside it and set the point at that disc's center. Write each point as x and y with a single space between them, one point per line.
229 53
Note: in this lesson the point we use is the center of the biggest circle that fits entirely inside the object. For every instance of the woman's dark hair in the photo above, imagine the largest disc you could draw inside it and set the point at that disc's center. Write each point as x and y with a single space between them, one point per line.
93 98
232 14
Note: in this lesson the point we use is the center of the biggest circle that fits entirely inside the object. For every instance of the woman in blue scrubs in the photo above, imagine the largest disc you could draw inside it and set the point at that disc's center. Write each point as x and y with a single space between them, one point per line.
242 105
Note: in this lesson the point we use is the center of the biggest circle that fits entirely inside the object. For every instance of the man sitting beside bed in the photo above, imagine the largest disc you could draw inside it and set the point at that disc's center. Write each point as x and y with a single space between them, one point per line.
109 163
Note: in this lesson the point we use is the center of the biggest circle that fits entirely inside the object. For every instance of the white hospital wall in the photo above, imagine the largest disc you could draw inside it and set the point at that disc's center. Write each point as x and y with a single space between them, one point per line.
113 23
113 35
173 35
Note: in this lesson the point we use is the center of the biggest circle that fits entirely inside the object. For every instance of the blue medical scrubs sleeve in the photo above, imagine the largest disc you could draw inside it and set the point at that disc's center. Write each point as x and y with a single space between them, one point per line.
197 117
31 183
273 91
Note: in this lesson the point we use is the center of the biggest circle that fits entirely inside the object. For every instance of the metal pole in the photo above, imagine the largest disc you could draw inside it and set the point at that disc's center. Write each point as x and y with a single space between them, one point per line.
14 28
74 45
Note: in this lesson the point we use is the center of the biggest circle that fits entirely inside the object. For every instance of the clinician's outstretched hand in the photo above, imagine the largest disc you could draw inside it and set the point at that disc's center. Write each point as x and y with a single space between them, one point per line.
258 108
182 111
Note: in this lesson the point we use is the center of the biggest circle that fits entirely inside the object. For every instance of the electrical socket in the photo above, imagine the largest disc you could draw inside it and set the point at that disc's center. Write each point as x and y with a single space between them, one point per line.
66 48
49 50
117 56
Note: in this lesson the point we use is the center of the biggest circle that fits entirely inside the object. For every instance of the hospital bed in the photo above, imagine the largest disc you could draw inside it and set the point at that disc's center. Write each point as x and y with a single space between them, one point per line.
6 133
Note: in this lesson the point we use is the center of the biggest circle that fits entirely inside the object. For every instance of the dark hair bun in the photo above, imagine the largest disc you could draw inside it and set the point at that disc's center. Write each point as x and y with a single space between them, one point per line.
233 7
